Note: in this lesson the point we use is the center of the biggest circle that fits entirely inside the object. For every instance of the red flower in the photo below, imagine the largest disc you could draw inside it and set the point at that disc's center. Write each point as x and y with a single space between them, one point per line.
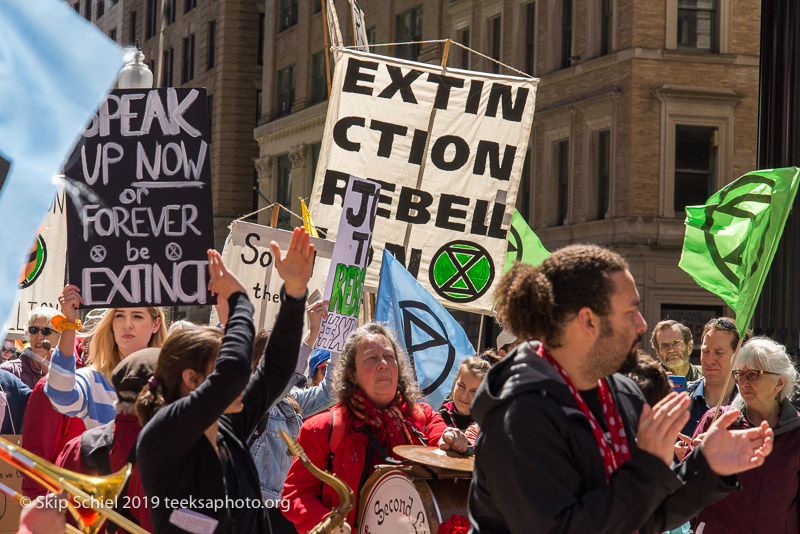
457 524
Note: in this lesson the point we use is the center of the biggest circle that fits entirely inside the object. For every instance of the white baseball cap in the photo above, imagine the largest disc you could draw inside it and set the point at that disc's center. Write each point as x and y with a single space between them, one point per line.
506 337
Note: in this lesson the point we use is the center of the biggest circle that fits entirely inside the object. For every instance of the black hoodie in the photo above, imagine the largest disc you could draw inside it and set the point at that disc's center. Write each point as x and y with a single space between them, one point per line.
538 469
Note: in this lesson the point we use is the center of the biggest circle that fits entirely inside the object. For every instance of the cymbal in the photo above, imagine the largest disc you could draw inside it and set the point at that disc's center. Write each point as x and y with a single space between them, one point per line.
435 457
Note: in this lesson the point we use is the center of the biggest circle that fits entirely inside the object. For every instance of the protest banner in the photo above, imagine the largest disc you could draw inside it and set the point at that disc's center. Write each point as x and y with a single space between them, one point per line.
56 69
44 275
348 263
447 148
247 255
140 233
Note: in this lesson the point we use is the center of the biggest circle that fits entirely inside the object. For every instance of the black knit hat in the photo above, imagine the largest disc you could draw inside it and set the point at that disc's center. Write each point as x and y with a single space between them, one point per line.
131 374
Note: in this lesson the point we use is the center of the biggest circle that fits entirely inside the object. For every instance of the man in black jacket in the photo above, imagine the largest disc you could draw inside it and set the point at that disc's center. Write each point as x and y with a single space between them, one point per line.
567 445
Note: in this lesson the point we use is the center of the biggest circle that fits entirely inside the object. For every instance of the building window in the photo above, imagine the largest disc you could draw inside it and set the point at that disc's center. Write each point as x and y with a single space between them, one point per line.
151 65
101 8
319 85
87 10
408 28
210 117
562 180
259 96
524 197
260 58
287 14
171 8
463 38
212 43
189 5
695 165
495 38
187 72
77 6
530 36
166 67
566 33
697 25
152 16
284 193
372 35
285 90
317 5
113 34
606 21
132 28
603 173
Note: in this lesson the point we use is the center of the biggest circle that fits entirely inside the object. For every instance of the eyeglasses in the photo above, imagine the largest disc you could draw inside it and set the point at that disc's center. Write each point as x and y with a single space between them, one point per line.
46 330
671 344
751 375
6 349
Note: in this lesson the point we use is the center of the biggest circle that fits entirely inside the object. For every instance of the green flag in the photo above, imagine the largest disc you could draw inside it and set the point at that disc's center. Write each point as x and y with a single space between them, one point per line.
730 242
523 245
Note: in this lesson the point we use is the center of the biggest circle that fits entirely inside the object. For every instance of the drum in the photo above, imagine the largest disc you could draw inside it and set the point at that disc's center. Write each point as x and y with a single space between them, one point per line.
399 501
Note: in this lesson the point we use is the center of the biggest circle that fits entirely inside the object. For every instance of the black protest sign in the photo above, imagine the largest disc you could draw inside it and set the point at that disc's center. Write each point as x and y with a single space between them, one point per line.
140 222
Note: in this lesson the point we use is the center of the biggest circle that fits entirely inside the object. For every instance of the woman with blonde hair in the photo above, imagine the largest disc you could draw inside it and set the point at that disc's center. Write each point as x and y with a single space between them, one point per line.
87 393
455 409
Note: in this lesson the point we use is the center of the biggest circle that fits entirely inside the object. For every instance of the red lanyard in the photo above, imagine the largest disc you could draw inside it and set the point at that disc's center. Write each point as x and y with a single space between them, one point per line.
612 459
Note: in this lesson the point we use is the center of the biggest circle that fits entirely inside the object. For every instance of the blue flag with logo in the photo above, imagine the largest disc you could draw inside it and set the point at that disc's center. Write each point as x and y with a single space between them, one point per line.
55 69
434 340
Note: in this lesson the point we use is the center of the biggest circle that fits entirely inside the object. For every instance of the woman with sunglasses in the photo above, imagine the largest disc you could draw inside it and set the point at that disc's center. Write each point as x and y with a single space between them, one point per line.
32 363
87 393
770 494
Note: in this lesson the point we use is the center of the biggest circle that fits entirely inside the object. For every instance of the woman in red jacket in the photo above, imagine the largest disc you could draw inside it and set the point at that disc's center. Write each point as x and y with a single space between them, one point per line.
376 412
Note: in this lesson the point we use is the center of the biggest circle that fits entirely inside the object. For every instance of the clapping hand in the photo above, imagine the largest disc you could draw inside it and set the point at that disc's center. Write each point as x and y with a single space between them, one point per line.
296 266
734 451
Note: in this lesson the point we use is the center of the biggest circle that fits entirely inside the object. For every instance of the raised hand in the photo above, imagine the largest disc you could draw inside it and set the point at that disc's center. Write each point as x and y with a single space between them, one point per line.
659 425
296 266
221 281
70 299
734 451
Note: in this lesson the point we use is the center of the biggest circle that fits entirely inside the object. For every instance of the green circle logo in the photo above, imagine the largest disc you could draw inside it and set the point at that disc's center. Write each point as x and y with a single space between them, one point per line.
461 271
35 264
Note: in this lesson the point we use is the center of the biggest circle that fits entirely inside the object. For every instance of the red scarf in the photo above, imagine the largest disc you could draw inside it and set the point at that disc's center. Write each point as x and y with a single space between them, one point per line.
389 424
612 459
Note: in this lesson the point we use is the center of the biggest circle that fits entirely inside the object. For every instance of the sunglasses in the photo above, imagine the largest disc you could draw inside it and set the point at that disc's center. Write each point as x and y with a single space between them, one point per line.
46 330
6 349
751 375
725 325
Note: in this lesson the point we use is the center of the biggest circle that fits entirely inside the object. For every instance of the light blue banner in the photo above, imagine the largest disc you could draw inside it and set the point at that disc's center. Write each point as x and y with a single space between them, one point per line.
55 69
425 329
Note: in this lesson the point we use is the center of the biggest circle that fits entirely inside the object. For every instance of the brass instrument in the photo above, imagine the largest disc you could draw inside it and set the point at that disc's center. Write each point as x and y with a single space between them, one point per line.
335 522
89 493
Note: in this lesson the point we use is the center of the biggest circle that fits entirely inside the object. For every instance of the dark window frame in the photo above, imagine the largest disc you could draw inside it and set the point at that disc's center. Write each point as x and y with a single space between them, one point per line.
261 36
495 26
152 19
409 51
167 68
606 27
212 44
132 28
603 174
684 11
101 8
187 63
287 14
530 37
319 83
189 5
285 92
566 33
171 7
562 181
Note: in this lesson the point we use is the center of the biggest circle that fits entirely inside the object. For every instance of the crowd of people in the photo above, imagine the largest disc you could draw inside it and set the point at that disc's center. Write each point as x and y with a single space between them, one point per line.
573 428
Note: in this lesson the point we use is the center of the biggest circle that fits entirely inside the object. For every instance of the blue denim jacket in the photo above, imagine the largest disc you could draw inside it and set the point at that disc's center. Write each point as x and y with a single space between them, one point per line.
269 450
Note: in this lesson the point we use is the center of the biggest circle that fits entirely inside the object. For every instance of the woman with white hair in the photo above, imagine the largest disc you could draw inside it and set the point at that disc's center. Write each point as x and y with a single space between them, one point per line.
770 494
33 362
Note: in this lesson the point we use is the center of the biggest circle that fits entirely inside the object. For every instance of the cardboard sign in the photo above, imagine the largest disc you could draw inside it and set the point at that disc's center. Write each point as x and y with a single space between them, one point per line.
447 148
348 264
11 477
247 255
139 234
44 275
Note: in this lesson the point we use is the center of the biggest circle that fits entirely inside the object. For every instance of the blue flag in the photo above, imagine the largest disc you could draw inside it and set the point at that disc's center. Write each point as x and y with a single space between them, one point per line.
427 332
55 69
